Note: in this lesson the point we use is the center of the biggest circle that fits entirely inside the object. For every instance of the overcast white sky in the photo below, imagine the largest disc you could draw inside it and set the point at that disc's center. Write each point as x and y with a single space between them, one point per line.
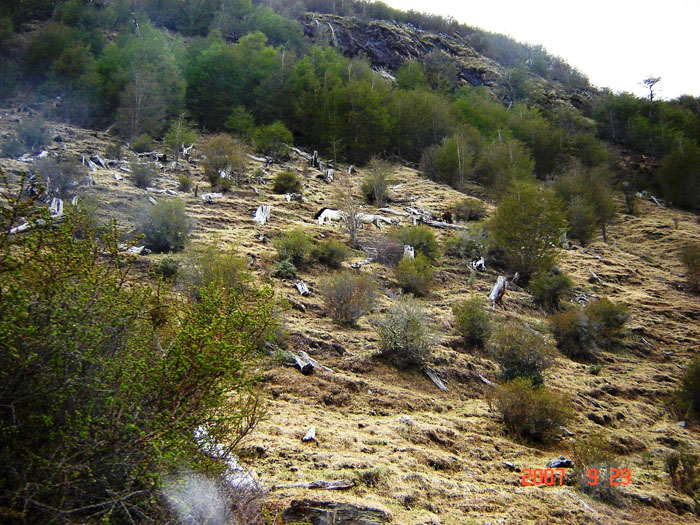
616 43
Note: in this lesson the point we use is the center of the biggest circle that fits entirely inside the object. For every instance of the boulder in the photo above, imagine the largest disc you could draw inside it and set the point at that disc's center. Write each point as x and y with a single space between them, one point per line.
333 513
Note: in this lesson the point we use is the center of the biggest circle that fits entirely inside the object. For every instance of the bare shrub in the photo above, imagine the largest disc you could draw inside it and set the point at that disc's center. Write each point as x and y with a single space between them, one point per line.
294 245
166 226
404 337
607 320
549 288
223 155
348 296
142 174
594 464
573 333
59 177
384 249
531 413
286 182
33 133
683 466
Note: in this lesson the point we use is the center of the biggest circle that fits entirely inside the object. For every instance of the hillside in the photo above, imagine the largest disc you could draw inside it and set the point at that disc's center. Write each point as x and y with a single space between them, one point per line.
421 455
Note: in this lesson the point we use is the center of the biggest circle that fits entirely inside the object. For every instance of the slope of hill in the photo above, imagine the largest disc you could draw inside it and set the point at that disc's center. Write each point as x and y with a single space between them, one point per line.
412 451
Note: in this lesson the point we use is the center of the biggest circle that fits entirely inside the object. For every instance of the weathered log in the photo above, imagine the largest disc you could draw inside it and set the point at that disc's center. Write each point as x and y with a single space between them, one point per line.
74 200
310 435
152 200
315 363
262 214
341 484
361 263
301 153
56 207
351 169
314 160
117 177
211 197
302 288
99 161
393 212
594 277
21 228
311 511
155 190
432 374
258 159
499 289
409 251
486 381
296 197
90 164
305 366
171 192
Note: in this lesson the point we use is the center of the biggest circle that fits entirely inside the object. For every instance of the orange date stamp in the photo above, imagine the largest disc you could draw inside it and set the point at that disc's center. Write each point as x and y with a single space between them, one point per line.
555 476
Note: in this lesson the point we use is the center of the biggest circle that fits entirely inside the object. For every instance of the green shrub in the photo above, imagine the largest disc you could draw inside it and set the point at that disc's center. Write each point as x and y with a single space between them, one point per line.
376 185
222 155
331 253
141 143
404 337
690 257
472 321
415 275
685 400
167 268
594 452
165 226
108 404
60 177
607 320
273 140
12 147
549 288
520 352
33 133
284 269
463 244
422 239
184 183
114 150
142 174
573 333
294 245
531 413
286 182
348 296
470 210
213 265
683 466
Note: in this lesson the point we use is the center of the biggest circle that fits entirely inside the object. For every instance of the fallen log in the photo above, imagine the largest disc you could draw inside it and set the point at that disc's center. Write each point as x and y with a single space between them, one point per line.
432 374
56 207
258 159
302 288
393 212
90 164
262 214
99 161
316 364
499 289
152 200
486 381
211 197
310 435
301 153
595 277
342 484
361 263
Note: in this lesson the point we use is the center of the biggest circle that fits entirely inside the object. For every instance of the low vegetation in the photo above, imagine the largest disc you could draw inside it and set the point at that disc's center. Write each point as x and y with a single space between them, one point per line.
415 275
330 252
690 257
472 321
142 174
286 182
595 466
348 296
549 289
520 353
165 226
405 339
295 246
422 239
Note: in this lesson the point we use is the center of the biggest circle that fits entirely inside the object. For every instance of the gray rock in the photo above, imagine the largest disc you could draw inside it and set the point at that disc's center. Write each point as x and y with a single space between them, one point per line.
406 420
560 462
333 513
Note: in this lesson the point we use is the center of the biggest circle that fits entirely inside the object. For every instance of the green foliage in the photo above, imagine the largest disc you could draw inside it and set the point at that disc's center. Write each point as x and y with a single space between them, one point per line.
686 399
184 183
415 275
331 253
607 321
411 76
469 210
60 177
100 413
285 269
472 321
404 337
165 226
348 296
680 176
549 288
33 133
376 184
595 452
12 147
532 413
240 123
574 334
422 239
527 226
142 174
286 182
294 245
222 155
212 265
180 133
463 244
683 466
141 143
520 352
690 257
167 268
273 140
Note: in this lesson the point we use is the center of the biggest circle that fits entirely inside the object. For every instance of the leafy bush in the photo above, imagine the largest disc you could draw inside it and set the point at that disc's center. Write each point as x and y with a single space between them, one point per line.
33 133
142 174
348 296
531 413
295 246
472 321
284 269
573 333
549 288
415 275
165 226
686 398
683 466
404 337
690 257
464 245
286 182
422 239
100 413
12 147
594 452
184 183
470 210
331 253
520 352
222 155
213 265
60 177
273 140
114 150
376 184
607 320
167 268
141 143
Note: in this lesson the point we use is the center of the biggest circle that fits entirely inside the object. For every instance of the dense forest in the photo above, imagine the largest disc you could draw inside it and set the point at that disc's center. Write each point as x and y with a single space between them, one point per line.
114 377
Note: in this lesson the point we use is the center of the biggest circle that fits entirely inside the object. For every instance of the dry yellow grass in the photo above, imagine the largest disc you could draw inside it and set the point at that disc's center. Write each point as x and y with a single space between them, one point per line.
447 466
